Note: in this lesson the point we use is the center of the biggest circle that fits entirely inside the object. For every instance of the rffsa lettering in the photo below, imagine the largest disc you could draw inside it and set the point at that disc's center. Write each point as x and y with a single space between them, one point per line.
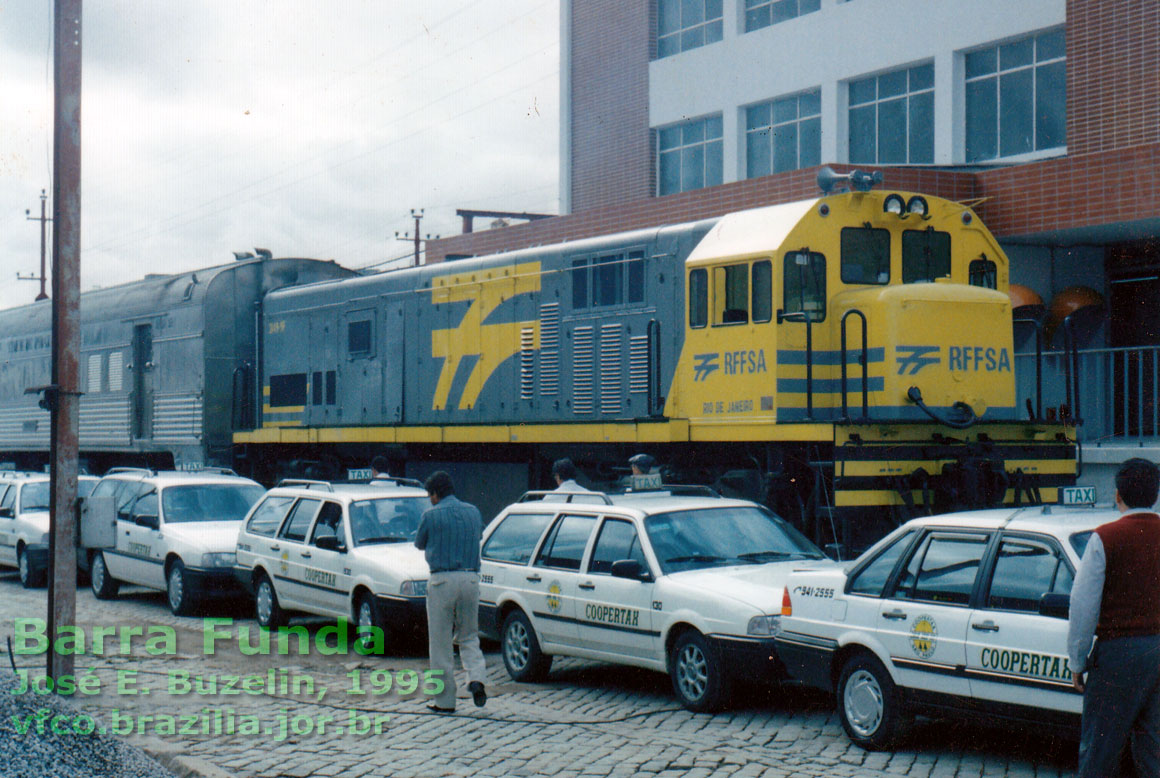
744 362
977 358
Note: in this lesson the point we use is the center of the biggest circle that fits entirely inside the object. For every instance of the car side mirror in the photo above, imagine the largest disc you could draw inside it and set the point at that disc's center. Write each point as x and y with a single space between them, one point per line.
329 543
630 569
150 520
1055 605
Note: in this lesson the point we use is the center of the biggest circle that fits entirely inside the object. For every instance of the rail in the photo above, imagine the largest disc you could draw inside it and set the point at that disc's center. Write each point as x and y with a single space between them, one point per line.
864 359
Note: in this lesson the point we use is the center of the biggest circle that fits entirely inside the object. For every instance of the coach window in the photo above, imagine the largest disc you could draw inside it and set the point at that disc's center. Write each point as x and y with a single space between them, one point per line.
865 255
804 284
608 280
579 284
698 298
731 294
316 387
926 255
982 272
359 339
762 290
331 387
635 267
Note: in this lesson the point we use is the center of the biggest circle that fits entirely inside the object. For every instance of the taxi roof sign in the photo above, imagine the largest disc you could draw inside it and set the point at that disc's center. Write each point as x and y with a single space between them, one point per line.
1077 495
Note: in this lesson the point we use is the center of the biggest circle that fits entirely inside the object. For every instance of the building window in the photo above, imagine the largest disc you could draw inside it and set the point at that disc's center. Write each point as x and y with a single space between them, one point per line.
783 134
762 13
691 155
687 24
1016 95
892 117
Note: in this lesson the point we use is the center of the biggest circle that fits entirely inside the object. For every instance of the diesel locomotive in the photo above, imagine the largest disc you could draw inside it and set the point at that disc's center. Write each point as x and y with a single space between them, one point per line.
847 359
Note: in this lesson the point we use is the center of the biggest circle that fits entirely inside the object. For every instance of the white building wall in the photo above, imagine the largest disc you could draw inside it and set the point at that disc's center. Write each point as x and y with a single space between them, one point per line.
845 40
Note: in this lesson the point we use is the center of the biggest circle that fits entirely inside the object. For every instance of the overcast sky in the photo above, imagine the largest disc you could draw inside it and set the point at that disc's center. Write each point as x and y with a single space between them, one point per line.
308 128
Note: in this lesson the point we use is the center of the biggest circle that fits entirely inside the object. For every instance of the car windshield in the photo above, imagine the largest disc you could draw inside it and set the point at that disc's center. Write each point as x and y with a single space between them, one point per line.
710 537
34 496
386 520
85 486
209 502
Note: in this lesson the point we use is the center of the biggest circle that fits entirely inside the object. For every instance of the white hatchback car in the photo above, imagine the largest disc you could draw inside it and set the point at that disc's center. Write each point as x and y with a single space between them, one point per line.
686 585
340 550
175 532
965 611
24 501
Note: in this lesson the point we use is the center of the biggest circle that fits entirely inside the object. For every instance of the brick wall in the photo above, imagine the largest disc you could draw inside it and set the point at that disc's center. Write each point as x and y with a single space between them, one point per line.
1113 74
611 141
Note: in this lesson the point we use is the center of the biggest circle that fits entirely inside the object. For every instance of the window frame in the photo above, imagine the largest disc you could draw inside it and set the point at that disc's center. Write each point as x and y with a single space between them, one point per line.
608 520
629 272
539 560
813 257
1049 541
726 286
922 544
353 319
766 133
842 265
930 232
699 297
709 27
535 549
665 151
907 96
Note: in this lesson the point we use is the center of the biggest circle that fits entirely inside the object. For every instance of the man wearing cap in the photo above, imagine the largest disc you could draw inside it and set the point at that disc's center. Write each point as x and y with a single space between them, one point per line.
449 534
1116 599
642 464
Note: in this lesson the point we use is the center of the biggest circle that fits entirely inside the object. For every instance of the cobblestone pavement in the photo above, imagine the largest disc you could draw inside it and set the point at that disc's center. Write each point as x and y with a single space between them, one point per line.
590 719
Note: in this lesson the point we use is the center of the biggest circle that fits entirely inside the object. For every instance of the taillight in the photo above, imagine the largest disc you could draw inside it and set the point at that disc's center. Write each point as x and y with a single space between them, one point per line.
786 605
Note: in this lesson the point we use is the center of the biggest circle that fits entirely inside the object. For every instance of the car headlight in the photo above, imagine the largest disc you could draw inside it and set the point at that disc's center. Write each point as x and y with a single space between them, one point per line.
764 626
413 589
224 559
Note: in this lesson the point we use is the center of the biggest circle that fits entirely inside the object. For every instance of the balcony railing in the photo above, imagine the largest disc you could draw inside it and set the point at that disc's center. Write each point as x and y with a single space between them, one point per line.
1119 391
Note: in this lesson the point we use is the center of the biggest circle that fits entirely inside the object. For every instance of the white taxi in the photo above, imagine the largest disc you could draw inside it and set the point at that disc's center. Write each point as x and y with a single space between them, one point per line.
686 585
175 532
24 501
964 612
344 551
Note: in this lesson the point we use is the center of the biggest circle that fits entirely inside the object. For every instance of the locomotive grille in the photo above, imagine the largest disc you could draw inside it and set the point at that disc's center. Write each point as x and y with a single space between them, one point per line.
527 363
638 364
583 369
549 349
611 357
176 418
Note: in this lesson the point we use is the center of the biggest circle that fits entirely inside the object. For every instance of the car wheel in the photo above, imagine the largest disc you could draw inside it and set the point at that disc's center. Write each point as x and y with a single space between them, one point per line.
266 608
868 704
29 578
181 597
104 586
521 649
367 615
699 680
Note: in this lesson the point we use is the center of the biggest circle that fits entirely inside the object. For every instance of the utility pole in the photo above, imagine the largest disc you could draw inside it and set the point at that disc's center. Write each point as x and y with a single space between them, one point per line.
43 220
63 395
416 215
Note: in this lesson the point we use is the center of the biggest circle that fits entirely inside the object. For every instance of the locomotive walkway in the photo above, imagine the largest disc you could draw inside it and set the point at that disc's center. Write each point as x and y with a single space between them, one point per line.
589 721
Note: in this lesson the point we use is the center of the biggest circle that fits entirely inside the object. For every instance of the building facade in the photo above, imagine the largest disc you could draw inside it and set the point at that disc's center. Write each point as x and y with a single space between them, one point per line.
1043 113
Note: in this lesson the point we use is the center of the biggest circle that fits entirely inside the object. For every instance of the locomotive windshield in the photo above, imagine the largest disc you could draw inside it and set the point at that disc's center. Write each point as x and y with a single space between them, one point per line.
926 255
209 502
865 255
713 537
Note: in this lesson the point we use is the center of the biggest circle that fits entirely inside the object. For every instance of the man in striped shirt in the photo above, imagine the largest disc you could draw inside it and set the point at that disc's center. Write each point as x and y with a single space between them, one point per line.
449 535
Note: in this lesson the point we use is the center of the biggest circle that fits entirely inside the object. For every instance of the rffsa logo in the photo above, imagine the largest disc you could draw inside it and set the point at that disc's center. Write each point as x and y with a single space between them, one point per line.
912 359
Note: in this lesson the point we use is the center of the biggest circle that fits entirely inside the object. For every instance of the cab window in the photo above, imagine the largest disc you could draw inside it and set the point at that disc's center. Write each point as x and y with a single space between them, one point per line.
565 544
515 538
299 521
804 284
617 540
731 294
145 505
268 516
126 497
872 578
7 500
926 255
944 568
762 291
865 255
982 272
329 523
698 298
1025 570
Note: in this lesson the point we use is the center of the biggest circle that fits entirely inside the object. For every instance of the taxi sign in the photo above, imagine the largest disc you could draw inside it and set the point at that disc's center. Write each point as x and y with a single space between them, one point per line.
646 481
359 474
1077 495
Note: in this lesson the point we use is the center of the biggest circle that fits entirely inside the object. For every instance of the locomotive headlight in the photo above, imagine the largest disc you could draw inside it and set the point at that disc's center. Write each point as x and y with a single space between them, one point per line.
917 205
894 204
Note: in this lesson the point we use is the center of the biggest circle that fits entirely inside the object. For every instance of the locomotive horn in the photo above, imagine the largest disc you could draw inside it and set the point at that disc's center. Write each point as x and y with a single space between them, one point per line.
859 180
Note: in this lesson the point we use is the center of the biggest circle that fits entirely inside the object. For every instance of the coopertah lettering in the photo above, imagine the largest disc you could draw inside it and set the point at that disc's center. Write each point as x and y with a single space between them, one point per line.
607 614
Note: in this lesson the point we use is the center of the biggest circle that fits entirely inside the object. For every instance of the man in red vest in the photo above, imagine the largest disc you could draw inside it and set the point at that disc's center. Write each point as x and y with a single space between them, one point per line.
1116 598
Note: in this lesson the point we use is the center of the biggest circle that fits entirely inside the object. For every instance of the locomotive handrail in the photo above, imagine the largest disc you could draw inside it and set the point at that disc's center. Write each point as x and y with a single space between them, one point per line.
241 413
865 360
653 332
804 316
1038 322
